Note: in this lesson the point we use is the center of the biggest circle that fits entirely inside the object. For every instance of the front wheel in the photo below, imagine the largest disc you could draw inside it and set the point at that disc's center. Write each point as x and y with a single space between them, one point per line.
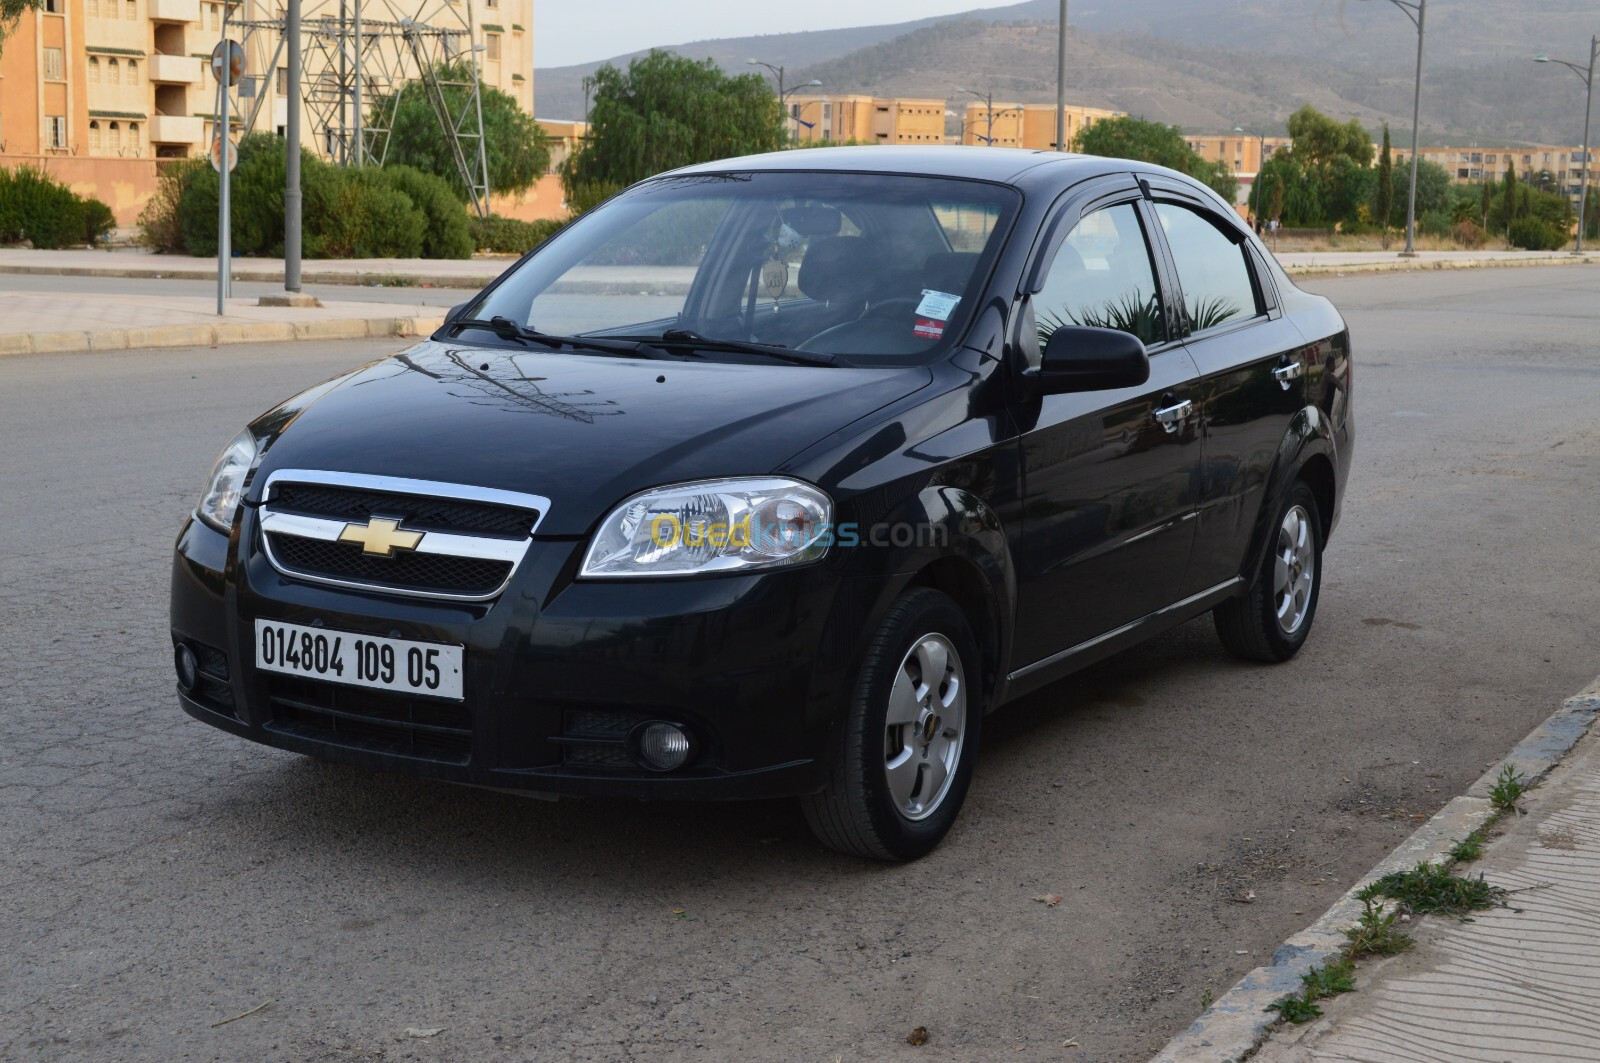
900 775
1273 618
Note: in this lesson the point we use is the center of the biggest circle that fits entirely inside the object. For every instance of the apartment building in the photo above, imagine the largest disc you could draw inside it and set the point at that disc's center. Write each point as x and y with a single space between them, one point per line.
1241 153
1476 164
866 120
1025 125
93 92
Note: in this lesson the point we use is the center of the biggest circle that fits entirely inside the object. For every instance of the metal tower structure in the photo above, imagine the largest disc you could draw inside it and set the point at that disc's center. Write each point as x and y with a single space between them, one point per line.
357 56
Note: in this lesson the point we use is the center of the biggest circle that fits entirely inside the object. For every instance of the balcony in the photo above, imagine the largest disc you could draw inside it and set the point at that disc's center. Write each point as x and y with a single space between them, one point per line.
176 69
175 10
176 129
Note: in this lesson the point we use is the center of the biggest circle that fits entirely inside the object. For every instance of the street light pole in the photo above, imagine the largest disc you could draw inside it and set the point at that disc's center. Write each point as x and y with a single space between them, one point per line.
1061 81
1418 13
988 110
1588 112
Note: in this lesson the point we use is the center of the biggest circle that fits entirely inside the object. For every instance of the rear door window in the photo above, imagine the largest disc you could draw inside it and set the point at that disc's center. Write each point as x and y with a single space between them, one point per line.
1212 270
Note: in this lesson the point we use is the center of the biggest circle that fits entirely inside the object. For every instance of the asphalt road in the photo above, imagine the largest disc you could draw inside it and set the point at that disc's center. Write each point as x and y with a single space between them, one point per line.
160 877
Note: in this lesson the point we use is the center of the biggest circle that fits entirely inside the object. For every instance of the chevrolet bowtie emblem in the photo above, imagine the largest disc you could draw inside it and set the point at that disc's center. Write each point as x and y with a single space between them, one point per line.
380 536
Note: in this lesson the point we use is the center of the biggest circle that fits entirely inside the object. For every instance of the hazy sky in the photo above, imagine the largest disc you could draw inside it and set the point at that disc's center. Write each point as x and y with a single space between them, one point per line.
580 31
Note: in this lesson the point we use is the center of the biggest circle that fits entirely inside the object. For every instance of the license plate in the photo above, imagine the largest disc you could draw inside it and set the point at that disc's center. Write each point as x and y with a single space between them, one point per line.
426 668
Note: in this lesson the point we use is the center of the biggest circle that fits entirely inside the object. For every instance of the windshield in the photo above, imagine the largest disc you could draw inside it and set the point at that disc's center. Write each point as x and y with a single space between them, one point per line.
870 268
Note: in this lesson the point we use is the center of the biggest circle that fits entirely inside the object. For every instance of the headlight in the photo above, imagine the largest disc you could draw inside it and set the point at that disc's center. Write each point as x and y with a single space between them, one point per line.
712 526
220 502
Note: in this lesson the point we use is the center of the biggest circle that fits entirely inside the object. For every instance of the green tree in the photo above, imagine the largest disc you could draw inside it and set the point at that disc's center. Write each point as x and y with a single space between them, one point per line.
667 111
1153 142
1591 216
1383 207
1508 197
1318 139
517 150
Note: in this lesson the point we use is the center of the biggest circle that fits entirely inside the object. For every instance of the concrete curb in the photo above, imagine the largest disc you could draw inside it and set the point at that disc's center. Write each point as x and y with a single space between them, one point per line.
1238 1022
217 334
266 276
1416 266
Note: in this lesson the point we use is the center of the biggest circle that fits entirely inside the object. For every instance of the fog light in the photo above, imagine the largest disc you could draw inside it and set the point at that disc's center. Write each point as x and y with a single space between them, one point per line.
662 746
188 669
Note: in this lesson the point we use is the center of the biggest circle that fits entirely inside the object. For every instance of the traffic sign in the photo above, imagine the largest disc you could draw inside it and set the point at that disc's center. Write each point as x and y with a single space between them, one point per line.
216 154
235 63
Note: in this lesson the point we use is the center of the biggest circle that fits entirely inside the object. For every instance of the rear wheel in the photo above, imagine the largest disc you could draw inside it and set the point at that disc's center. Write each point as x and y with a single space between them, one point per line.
1273 618
898 779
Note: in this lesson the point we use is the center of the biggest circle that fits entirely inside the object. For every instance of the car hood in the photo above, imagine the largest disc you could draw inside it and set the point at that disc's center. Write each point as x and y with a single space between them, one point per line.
584 431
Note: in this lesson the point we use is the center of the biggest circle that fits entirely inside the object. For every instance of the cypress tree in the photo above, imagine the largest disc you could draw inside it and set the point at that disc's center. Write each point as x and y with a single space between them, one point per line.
1385 195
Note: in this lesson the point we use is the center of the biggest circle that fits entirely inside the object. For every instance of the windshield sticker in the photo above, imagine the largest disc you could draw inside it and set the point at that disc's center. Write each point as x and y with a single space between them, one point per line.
937 305
926 329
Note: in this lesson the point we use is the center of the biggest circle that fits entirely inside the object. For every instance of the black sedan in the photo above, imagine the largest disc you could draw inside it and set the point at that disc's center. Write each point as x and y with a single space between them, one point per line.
772 477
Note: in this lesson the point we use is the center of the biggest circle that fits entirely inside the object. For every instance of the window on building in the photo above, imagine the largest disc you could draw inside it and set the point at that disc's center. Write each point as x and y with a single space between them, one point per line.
130 11
94 70
94 136
113 72
492 40
53 7
92 8
114 137
55 130
281 82
133 72
135 145
54 70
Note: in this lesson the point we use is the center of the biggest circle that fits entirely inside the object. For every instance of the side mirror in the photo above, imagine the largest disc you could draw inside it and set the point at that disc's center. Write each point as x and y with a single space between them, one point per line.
455 312
1079 358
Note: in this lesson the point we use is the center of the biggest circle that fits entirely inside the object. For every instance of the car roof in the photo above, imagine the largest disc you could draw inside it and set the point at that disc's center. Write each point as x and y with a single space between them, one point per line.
980 163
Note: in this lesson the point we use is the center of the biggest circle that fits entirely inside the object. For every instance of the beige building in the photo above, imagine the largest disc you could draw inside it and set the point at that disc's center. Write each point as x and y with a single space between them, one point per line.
1241 153
866 120
1476 164
1025 125
94 91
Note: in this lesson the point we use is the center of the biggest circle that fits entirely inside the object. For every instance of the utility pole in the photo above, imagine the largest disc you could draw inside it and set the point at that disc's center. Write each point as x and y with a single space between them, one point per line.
361 150
1061 80
1588 113
988 110
1418 14
291 184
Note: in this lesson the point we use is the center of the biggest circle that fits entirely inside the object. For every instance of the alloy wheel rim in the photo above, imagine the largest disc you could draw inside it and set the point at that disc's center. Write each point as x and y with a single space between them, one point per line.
926 726
1294 570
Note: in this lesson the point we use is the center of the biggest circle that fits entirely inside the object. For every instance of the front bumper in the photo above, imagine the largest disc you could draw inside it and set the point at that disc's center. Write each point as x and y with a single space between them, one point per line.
756 666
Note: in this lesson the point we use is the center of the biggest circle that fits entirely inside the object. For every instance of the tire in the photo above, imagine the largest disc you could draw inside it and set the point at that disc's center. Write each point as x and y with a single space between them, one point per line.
1272 620
894 788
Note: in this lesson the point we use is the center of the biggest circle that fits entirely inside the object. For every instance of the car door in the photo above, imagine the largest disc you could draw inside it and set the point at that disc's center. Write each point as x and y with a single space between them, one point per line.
1111 478
1251 378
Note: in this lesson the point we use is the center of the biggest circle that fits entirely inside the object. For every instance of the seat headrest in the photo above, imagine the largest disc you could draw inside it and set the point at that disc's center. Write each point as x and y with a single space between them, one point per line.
838 268
949 271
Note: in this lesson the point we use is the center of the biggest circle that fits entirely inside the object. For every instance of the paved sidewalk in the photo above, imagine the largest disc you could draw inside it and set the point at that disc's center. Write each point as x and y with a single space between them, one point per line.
1519 983
40 323
476 272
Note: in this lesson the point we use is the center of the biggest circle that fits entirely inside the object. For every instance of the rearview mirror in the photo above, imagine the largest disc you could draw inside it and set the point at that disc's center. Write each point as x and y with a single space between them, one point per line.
1080 358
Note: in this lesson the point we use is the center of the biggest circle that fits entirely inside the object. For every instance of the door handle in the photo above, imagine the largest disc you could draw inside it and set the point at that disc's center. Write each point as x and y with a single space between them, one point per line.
1170 417
1287 372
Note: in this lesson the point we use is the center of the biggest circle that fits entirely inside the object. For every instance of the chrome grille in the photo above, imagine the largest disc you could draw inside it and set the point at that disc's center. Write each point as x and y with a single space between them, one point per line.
456 542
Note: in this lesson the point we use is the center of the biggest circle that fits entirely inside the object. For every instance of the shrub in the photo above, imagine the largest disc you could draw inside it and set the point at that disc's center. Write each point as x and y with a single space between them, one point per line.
160 225
1433 223
447 234
586 195
508 235
368 218
1535 234
47 213
1469 234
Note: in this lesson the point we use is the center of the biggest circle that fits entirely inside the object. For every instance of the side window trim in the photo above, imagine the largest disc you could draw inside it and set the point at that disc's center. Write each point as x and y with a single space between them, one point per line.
1071 207
1234 236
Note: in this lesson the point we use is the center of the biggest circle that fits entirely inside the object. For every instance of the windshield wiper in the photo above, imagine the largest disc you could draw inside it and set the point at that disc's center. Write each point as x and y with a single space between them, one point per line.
507 329
682 337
